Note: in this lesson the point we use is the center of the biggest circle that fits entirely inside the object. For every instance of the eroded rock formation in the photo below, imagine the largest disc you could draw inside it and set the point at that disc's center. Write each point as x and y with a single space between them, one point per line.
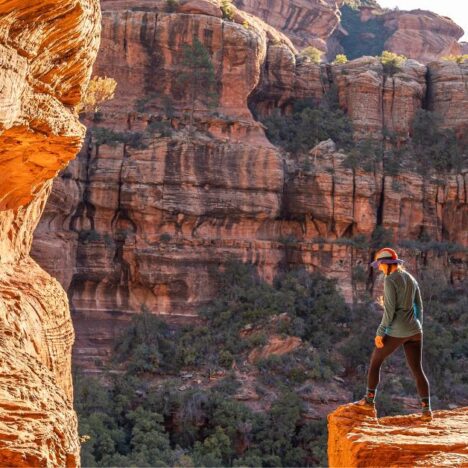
417 34
356 438
304 22
422 35
148 227
47 49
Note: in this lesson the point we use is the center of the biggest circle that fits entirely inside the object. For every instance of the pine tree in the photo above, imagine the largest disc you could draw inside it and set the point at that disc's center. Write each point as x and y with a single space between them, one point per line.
199 77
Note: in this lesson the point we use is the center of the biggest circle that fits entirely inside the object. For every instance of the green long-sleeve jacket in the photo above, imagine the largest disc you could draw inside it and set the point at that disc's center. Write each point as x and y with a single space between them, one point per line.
403 307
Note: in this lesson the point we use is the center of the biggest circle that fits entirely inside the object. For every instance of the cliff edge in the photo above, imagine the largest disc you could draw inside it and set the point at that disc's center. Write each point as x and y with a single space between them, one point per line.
356 438
47 48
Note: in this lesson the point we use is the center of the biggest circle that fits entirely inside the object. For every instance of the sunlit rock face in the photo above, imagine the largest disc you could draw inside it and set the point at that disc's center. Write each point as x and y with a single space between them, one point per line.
355 438
46 52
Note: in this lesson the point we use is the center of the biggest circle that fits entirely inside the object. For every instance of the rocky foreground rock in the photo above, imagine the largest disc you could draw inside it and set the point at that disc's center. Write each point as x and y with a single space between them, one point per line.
47 48
356 438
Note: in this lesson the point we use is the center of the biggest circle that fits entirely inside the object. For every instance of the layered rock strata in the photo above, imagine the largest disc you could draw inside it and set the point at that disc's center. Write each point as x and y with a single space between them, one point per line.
304 22
47 49
149 226
356 438
422 35
417 34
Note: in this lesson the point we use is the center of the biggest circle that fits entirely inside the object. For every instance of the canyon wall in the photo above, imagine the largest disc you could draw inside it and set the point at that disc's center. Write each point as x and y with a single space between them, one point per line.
149 225
417 34
422 35
47 49
356 438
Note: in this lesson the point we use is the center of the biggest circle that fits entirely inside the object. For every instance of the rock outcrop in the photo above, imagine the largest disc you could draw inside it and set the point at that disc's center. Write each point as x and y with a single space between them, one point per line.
417 34
304 22
422 35
356 438
47 49
149 226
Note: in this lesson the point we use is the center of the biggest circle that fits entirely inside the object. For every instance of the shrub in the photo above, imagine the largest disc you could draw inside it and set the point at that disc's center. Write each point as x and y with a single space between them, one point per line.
312 53
147 345
199 79
456 58
106 136
172 5
309 124
340 59
381 237
100 89
159 128
363 154
391 62
435 146
227 9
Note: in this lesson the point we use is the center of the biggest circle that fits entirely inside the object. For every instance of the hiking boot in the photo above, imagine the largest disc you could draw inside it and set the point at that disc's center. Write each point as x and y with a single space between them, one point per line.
426 416
365 403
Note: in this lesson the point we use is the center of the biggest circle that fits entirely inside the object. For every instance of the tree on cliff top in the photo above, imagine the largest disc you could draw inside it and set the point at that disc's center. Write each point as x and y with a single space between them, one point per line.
199 78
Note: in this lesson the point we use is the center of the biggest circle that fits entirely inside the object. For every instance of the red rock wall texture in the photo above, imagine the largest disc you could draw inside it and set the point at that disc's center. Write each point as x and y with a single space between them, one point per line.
422 35
150 227
47 49
355 438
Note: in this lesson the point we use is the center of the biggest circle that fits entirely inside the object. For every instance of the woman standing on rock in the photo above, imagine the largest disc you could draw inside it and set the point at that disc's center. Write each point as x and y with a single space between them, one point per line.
401 325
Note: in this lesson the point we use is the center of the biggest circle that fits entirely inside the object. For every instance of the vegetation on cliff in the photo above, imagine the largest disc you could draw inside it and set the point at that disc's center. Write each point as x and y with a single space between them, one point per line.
363 38
429 147
172 394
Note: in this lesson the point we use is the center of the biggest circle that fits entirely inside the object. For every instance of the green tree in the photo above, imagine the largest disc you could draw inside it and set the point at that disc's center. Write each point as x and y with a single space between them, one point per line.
199 77
147 344
435 146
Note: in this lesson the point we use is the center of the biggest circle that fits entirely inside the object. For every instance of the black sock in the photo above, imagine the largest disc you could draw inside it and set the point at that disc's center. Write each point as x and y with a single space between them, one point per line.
426 404
370 395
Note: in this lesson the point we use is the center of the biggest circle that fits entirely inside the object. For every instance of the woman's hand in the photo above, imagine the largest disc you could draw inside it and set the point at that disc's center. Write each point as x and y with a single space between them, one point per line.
379 341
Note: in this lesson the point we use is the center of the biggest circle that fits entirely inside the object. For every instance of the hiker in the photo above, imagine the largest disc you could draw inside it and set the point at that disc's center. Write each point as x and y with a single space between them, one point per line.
401 325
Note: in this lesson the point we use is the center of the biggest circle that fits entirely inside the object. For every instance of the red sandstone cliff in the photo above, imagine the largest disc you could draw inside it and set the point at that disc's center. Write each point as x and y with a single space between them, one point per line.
422 35
150 227
356 438
417 34
304 22
47 49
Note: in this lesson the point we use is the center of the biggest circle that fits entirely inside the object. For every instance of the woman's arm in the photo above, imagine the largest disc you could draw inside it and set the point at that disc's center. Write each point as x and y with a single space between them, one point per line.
389 306
419 305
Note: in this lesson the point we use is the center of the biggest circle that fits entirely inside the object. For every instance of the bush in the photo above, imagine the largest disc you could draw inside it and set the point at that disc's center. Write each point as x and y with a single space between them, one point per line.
146 345
391 62
309 124
227 10
364 154
436 147
106 136
172 5
456 58
340 59
312 53
100 89
381 237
